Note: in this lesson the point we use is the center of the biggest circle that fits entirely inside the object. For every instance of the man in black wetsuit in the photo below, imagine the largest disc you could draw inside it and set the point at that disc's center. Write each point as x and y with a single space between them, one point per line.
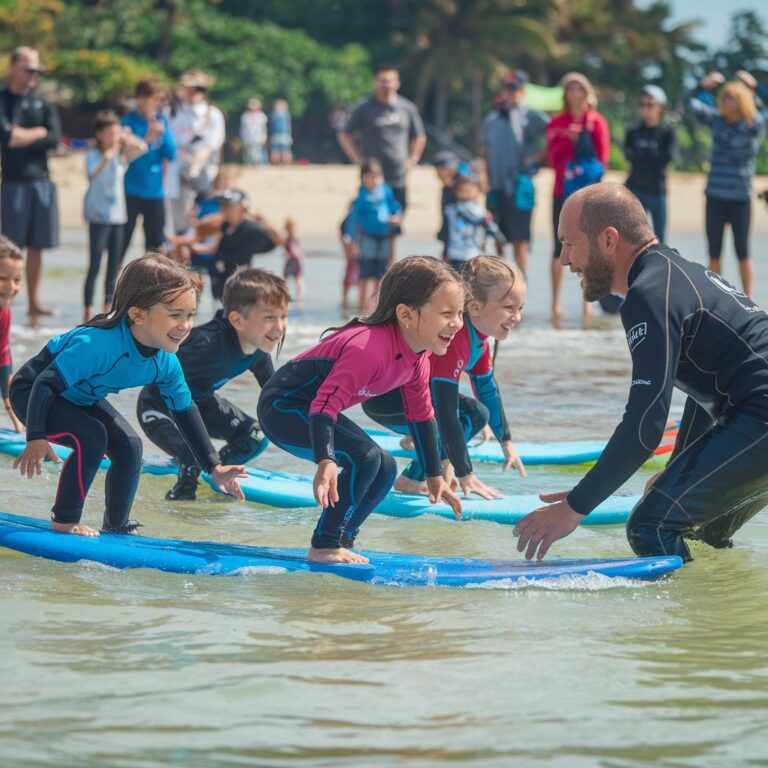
687 327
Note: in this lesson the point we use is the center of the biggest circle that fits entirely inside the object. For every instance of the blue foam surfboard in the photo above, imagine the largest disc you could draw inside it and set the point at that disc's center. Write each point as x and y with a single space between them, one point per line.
34 537
287 490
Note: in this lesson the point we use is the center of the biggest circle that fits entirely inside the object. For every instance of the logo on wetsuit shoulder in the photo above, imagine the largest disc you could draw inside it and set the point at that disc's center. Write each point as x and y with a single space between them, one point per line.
459 368
636 334
365 392
726 287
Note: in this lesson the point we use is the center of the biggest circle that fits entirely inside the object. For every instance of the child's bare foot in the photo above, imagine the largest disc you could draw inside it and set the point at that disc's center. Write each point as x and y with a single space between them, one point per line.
407 444
77 528
339 555
406 485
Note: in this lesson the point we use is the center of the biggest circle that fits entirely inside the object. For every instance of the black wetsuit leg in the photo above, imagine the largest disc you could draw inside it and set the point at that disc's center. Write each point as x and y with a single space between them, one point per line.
366 472
91 432
222 419
707 492
388 410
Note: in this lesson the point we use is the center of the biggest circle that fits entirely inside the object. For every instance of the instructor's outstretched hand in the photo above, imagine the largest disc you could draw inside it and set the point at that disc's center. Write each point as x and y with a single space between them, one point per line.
544 526
225 476
440 490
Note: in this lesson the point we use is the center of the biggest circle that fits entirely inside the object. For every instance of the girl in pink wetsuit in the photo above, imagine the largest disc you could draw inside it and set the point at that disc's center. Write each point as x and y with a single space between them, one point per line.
419 312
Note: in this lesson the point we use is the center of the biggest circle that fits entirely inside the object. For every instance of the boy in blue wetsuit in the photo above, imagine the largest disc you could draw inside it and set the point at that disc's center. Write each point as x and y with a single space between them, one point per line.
239 338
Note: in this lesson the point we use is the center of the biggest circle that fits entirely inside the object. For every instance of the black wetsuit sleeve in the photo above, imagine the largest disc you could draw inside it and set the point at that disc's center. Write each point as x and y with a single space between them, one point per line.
5 380
321 437
192 428
53 125
49 384
262 369
654 337
695 422
424 434
445 398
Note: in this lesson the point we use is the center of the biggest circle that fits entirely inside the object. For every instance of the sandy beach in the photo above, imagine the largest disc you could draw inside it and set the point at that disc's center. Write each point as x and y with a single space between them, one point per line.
317 196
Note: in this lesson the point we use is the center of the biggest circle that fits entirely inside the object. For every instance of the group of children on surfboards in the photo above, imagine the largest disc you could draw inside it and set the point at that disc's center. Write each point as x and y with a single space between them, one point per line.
402 362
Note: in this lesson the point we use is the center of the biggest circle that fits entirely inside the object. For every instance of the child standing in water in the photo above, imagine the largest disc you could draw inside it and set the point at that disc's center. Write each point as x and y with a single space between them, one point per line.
11 268
494 304
239 338
419 311
294 261
60 394
104 205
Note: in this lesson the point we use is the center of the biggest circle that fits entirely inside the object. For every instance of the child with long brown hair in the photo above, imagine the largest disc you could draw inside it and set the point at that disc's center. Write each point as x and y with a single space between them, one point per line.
60 394
300 409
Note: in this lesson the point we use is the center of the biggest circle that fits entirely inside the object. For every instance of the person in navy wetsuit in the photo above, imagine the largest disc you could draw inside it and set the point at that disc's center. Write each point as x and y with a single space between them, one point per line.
494 303
239 338
60 394
687 327
419 312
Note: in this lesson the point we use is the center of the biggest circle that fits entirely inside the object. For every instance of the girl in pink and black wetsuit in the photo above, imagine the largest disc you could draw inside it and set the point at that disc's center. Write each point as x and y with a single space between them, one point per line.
494 305
419 311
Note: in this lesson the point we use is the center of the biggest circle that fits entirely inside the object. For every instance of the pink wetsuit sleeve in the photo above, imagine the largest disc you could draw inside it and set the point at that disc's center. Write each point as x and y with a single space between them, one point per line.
5 335
417 400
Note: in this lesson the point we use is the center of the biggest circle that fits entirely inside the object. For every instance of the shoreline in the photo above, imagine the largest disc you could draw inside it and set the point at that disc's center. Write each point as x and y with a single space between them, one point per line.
318 196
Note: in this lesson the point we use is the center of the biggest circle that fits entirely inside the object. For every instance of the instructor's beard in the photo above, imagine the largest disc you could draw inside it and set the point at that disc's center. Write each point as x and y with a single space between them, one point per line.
598 275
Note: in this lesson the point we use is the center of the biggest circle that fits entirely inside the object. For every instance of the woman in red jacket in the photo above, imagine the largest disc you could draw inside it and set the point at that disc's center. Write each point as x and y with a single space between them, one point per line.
563 132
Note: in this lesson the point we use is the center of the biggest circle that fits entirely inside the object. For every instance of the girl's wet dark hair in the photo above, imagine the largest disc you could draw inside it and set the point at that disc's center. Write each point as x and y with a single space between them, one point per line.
149 280
411 281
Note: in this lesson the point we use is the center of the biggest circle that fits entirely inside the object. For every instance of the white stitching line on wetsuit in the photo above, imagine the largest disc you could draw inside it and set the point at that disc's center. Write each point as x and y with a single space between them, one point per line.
698 482
666 366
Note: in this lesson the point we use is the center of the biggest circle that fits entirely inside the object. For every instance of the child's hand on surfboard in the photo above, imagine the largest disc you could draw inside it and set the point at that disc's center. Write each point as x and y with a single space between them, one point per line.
30 461
225 477
440 490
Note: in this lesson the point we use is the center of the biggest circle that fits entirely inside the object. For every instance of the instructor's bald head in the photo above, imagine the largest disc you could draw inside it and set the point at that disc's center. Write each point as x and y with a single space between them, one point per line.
604 205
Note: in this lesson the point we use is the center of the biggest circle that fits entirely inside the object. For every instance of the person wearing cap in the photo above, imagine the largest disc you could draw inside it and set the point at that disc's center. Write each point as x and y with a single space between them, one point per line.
199 131
253 133
241 238
511 132
389 129
738 129
579 121
29 129
649 147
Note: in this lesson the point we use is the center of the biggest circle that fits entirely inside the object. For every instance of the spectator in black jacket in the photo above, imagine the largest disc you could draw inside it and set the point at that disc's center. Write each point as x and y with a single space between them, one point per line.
29 128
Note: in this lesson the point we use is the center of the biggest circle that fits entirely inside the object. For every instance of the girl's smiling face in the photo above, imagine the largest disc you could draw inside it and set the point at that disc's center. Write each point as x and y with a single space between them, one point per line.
164 325
10 279
433 325
501 312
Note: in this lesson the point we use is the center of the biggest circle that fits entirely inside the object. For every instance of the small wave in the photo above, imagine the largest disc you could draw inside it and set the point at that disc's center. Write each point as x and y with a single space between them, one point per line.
589 582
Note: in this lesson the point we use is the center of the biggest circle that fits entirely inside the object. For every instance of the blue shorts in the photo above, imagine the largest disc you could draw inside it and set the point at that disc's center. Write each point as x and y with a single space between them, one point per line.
374 256
29 213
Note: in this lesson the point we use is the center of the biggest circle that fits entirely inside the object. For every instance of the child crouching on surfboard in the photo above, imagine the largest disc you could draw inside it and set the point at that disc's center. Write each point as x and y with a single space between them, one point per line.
494 304
60 394
419 312
239 338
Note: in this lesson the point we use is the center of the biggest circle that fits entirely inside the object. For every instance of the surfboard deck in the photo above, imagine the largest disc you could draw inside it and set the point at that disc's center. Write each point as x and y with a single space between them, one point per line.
289 490
33 536
567 452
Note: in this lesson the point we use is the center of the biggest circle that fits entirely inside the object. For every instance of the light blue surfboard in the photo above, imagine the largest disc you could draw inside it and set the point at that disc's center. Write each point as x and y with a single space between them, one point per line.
287 490
34 537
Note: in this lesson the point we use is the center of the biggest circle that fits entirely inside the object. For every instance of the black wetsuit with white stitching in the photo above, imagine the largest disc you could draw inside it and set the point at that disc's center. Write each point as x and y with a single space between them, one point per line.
686 327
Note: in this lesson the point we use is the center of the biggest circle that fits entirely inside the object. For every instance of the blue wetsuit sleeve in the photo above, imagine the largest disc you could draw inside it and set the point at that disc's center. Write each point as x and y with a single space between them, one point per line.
445 398
321 437
192 428
487 391
172 384
48 385
5 378
424 434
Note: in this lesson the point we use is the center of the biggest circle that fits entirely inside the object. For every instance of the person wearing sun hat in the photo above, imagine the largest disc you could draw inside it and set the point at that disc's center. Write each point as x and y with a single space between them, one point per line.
649 147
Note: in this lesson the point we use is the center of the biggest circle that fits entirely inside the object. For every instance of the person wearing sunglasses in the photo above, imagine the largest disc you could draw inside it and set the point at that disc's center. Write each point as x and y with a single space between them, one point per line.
649 147
29 129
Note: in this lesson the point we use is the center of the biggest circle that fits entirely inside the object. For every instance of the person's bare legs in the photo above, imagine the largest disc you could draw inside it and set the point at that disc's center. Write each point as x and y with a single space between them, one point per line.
34 279
299 291
362 294
520 254
557 285
714 266
747 271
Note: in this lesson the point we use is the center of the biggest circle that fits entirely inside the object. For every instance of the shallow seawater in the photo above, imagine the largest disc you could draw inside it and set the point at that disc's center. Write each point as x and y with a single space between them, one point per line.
104 668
